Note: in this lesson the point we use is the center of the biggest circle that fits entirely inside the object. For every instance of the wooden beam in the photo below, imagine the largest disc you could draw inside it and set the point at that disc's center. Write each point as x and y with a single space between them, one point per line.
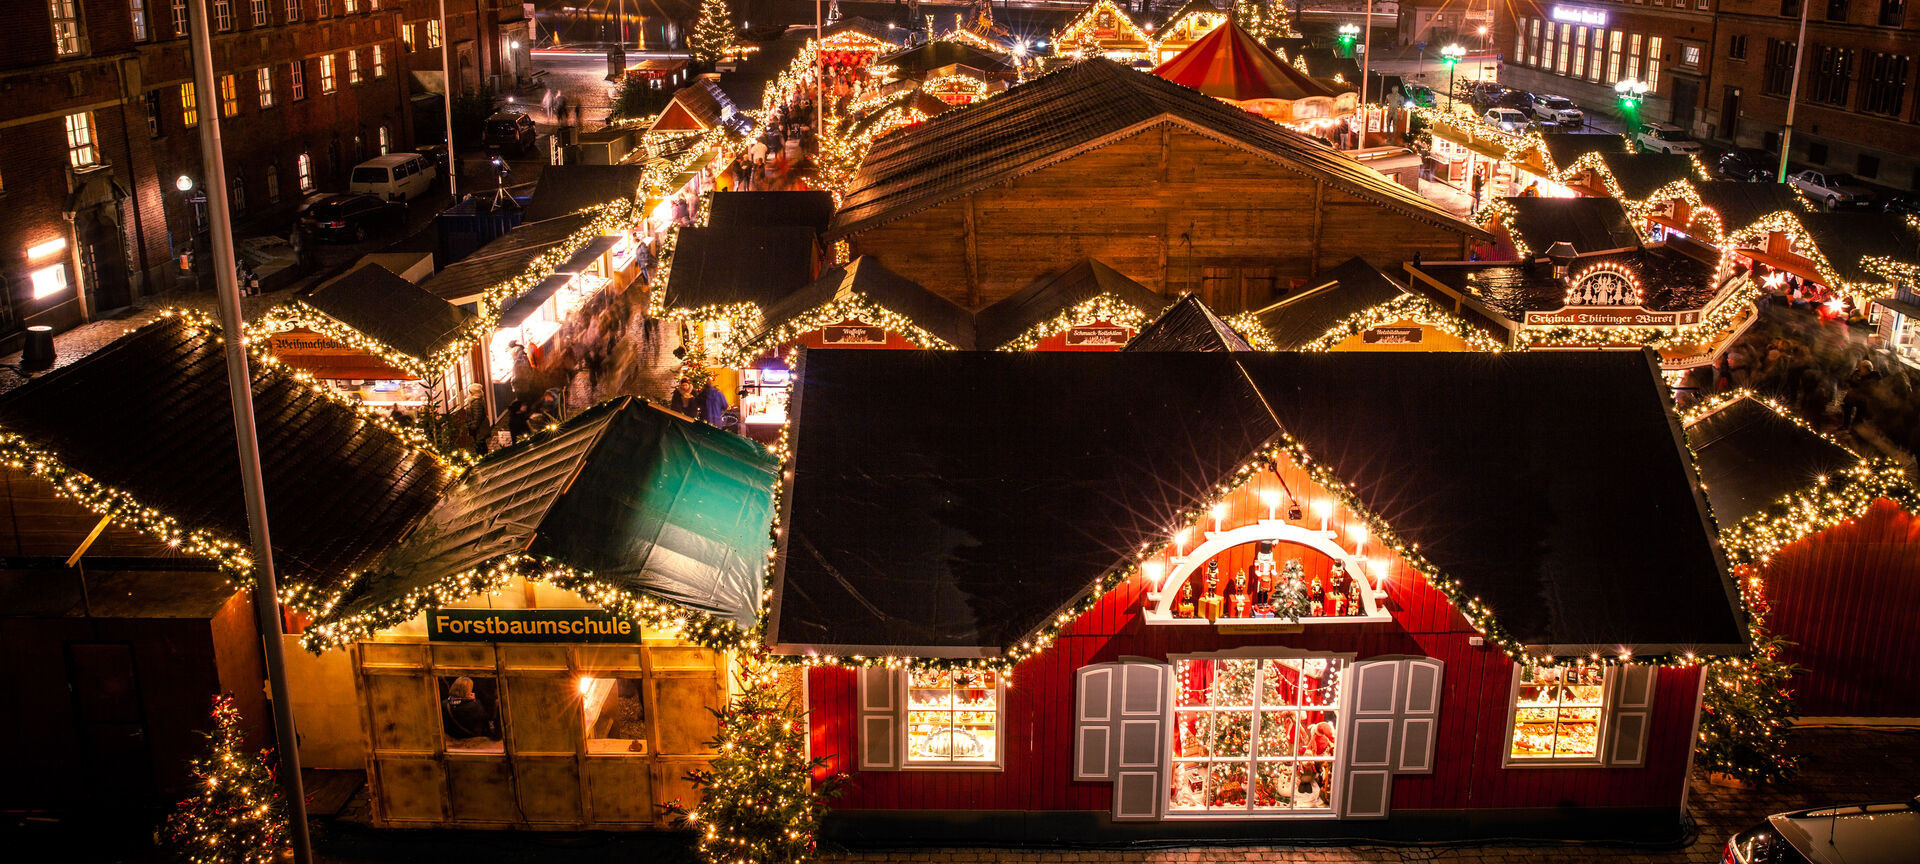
1319 191
973 261
1166 150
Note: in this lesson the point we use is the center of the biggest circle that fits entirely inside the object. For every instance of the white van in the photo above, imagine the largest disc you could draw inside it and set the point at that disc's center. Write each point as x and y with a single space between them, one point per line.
395 176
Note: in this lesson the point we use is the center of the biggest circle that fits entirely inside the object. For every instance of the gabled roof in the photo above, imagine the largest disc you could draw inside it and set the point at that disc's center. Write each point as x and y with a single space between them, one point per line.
1229 63
943 505
1188 325
1068 112
928 56
627 495
1344 291
1740 204
1188 8
716 266
1642 174
502 259
1590 224
1004 321
392 311
150 415
1751 456
1326 65
1846 238
865 280
1670 280
805 209
703 105
565 189
1565 148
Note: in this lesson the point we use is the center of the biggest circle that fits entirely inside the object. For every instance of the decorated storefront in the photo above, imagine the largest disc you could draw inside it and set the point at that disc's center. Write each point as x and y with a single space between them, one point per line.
1258 615
1103 30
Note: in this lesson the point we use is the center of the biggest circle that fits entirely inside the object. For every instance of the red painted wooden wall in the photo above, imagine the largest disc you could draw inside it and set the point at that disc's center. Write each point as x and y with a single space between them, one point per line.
1846 596
1038 715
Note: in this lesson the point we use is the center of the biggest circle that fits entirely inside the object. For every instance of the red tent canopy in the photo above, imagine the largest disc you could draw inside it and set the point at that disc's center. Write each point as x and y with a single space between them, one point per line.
1230 64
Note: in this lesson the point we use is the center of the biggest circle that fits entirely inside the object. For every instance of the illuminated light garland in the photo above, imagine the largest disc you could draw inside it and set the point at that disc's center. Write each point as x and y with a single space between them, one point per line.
1406 307
1250 329
297 314
1789 224
743 348
852 41
1104 308
968 37
1080 35
968 86
1720 316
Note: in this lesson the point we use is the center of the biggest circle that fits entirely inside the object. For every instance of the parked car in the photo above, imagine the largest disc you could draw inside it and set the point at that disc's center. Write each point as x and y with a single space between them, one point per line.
349 218
1506 119
1885 833
1417 96
1558 109
395 176
1832 189
1746 163
1904 204
1661 138
509 130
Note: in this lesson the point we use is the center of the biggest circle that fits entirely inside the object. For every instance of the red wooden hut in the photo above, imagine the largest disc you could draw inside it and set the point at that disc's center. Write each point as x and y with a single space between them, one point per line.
1840 583
1106 597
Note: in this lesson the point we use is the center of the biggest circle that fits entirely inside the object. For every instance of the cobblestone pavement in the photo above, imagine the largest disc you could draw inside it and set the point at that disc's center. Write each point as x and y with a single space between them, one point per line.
1841 765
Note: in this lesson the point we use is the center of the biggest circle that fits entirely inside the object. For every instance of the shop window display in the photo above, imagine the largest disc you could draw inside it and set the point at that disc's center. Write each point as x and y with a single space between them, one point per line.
616 717
470 714
1251 581
1254 734
1556 713
953 717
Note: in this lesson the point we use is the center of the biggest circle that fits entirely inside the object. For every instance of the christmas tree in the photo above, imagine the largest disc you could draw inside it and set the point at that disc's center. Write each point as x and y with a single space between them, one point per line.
1263 19
712 33
239 816
759 801
1747 708
1290 597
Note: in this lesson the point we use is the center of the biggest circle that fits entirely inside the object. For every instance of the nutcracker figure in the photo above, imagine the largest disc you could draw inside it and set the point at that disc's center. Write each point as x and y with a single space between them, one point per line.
1263 571
1210 595
1239 604
1183 602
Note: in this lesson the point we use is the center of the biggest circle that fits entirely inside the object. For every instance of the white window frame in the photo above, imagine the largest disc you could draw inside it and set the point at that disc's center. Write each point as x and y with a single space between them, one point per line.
353 67
137 11
303 171
263 81
1336 767
1158 609
1508 760
223 15
68 38
297 79
386 140
329 82
907 760
293 11
379 62
179 8
83 146
1654 48
261 17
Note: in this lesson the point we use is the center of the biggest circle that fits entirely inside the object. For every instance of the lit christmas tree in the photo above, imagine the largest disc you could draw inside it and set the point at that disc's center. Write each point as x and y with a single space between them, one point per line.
239 816
1263 19
1747 708
759 800
1290 597
712 33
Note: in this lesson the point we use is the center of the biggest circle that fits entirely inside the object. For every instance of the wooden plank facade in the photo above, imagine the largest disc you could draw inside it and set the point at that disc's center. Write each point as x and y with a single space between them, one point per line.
1176 210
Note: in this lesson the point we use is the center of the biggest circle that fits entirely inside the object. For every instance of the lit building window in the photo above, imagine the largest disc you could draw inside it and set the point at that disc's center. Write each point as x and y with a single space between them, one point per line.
49 281
406 35
1254 734
263 79
353 67
326 74
189 109
386 140
229 97
379 61
81 151
350 6
1556 713
66 26
953 717
303 168
137 9
433 34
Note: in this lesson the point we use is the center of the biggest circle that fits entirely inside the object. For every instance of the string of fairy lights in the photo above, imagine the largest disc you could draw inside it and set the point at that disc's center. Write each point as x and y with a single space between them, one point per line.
296 314
1103 308
1405 307
743 346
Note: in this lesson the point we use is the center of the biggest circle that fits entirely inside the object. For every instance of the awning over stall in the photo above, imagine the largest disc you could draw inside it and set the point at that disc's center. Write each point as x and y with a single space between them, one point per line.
515 312
1751 457
625 496
584 259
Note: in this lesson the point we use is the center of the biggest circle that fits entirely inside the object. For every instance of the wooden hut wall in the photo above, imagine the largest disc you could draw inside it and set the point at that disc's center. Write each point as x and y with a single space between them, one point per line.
1844 597
1174 210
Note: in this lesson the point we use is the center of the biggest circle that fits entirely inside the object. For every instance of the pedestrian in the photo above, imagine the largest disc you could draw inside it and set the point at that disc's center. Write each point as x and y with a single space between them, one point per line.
519 417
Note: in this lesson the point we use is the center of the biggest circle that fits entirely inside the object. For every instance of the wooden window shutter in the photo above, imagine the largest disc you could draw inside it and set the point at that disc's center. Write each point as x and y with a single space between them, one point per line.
1368 781
1094 693
1632 715
881 726
1419 717
1140 782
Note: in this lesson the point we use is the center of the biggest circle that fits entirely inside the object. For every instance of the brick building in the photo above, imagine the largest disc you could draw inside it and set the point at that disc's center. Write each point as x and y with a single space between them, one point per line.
1855 111
98 117
1580 50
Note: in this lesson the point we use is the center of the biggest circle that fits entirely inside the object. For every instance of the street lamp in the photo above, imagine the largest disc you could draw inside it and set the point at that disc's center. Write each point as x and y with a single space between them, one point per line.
1349 33
1631 91
1450 57
183 183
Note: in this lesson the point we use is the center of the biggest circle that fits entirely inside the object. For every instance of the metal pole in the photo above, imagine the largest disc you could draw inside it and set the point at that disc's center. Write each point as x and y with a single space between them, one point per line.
266 604
446 69
1793 92
1366 49
819 70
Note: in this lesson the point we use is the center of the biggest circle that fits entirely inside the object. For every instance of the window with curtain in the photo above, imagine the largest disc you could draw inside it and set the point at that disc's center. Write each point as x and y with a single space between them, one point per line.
1254 734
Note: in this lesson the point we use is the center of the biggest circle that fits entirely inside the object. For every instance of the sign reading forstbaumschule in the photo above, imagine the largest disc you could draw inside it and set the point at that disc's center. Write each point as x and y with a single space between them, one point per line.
529 625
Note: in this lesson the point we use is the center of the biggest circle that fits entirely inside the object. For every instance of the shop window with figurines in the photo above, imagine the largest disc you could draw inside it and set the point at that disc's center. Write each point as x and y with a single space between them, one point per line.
953 717
1254 735
1266 581
1557 713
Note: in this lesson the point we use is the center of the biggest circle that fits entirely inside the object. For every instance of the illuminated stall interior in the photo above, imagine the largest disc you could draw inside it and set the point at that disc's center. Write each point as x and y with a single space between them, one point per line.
544 648
534 318
379 338
722 276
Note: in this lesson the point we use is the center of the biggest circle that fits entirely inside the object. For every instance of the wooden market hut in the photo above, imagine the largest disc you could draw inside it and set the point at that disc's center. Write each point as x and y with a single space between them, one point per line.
1178 191
1188 24
812 209
1046 674
1232 66
1105 30
1359 308
1188 325
1840 590
121 627
1713 213
586 585
1630 176
1086 307
702 106
567 189
919 61
1528 227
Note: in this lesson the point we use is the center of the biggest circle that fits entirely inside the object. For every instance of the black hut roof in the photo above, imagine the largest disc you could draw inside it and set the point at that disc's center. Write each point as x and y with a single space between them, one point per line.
1065 113
718 266
1847 238
1750 456
867 278
1590 224
805 209
504 258
565 189
1188 325
1565 148
1347 290
397 313
1642 174
928 56
1740 204
149 415
942 505
1004 321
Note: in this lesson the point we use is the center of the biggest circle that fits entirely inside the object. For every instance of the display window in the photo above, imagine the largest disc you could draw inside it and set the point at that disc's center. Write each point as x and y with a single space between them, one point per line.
470 713
953 717
1556 714
615 713
1254 734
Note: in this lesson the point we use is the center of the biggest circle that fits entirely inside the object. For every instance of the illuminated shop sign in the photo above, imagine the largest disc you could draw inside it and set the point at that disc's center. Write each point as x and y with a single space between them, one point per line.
1580 15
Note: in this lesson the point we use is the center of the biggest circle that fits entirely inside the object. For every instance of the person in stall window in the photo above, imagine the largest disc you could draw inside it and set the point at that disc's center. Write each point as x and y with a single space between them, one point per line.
467 719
